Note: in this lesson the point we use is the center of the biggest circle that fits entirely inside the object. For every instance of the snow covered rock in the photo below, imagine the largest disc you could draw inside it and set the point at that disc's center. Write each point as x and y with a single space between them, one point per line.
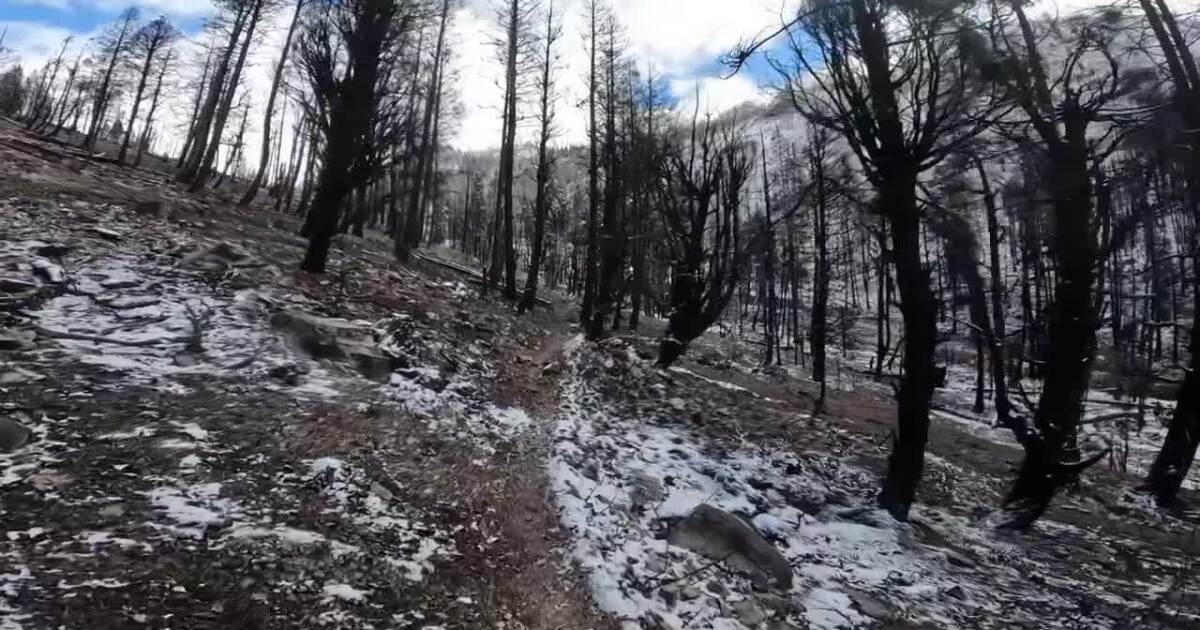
719 535
217 256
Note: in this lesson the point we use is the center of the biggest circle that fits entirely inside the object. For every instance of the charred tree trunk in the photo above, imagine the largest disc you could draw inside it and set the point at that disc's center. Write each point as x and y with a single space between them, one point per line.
144 140
919 311
209 157
542 178
589 273
820 304
198 138
265 155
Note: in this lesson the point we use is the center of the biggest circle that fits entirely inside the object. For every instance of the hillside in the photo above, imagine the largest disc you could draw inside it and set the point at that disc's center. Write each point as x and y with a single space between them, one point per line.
195 435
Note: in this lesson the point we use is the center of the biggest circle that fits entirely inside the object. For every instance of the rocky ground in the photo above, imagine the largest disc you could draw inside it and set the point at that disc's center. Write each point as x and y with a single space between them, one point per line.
194 435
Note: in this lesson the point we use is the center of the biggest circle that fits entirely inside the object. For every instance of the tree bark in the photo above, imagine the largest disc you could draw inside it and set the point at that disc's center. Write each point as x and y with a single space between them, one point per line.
265 155
204 166
919 311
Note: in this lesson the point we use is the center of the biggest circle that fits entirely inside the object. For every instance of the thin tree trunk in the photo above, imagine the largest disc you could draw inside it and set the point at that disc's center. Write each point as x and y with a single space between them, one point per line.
265 155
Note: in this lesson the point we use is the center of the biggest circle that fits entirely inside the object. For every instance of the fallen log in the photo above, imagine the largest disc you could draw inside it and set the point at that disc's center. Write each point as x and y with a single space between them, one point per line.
475 276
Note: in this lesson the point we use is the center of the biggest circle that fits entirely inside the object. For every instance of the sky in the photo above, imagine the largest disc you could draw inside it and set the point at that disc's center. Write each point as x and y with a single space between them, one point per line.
678 39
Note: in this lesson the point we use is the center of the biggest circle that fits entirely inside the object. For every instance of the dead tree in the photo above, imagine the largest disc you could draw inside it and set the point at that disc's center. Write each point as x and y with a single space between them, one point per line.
206 159
887 78
264 157
1178 451
201 133
700 197
144 140
1059 111
545 163
114 43
593 16
149 41
817 153
346 52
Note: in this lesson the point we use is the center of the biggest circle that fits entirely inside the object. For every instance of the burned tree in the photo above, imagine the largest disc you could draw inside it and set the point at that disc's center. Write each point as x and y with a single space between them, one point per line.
1061 110
545 162
114 44
346 53
264 157
888 79
700 189
146 45
1178 451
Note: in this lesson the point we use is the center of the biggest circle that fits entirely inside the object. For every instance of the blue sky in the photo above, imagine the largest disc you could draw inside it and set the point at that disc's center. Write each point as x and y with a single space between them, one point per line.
683 47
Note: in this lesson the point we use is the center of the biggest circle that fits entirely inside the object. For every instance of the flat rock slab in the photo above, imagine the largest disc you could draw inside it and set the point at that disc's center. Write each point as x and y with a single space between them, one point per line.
130 303
719 535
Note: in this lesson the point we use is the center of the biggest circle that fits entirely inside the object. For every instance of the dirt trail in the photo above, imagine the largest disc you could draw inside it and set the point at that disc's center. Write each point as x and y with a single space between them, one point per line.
246 484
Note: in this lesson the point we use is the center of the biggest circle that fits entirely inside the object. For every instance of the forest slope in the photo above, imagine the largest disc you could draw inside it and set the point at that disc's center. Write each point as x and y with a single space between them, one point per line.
208 439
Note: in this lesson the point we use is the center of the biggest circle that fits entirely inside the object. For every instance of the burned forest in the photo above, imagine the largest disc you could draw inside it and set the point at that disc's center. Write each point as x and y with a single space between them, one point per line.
546 314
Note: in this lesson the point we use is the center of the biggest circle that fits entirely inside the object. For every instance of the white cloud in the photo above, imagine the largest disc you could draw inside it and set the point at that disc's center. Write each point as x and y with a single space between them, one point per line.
717 95
675 38
34 42
677 35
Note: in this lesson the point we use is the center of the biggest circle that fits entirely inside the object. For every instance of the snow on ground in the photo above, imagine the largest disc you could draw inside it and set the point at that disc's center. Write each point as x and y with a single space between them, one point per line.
183 479
1133 448
619 482
153 310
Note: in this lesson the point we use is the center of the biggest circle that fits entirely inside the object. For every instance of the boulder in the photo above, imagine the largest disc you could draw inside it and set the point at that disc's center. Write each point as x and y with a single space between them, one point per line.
152 208
217 256
317 336
335 339
429 378
719 535
107 234
48 271
13 435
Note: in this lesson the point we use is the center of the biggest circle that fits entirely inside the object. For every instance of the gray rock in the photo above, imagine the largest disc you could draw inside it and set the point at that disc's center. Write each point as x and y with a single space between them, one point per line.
959 560
48 271
217 256
749 612
52 250
107 234
314 335
13 435
647 491
336 339
152 208
116 510
19 375
383 493
16 339
871 605
719 535
434 380
9 284
129 303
